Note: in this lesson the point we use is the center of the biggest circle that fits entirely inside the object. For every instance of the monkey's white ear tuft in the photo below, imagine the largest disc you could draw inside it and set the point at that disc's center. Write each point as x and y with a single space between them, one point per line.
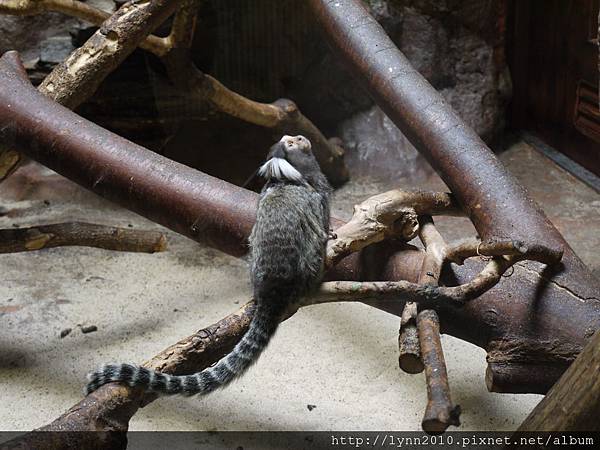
279 168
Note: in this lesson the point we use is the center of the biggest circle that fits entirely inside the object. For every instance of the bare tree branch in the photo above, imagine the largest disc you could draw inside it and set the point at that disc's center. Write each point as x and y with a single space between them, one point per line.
440 412
282 116
110 407
81 234
73 8
409 358
459 252
392 213
378 291
76 79
184 26
573 403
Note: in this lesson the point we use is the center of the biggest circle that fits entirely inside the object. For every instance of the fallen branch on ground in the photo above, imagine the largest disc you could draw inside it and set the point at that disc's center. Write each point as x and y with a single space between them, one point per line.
14 240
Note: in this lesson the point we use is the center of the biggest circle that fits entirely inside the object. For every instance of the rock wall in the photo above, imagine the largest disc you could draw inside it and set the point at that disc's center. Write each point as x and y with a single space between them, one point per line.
459 47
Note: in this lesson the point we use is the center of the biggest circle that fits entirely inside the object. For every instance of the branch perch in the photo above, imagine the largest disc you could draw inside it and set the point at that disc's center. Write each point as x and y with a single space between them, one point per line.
81 234
186 201
73 8
282 116
393 213
573 403
440 411
111 407
379 291
76 79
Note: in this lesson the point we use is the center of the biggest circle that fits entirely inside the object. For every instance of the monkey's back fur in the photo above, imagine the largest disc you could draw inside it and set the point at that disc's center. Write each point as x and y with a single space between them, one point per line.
287 250
287 242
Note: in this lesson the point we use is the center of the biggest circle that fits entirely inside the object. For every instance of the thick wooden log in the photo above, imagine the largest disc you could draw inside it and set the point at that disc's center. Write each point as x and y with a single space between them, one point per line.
573 403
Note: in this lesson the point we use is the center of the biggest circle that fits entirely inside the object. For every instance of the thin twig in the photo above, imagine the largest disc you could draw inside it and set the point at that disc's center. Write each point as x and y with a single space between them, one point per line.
14 240
459 252
376 291
184 26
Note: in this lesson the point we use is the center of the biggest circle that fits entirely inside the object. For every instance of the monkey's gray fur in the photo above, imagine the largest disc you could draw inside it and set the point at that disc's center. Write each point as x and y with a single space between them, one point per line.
287 250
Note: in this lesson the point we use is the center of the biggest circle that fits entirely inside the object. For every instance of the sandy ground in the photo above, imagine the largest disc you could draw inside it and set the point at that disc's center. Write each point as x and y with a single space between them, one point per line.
340 358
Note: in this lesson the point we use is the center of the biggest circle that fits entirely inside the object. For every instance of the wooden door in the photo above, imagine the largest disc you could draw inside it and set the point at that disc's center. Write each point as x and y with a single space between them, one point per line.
553 57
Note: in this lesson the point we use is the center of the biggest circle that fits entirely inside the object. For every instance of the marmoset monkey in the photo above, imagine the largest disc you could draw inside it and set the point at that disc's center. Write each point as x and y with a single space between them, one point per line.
287 252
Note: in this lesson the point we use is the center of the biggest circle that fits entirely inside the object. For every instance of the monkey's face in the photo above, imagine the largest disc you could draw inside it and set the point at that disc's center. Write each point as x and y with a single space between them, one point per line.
291 159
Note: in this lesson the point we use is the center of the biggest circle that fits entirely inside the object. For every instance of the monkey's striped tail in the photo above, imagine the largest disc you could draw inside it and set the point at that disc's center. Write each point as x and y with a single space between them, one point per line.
245 353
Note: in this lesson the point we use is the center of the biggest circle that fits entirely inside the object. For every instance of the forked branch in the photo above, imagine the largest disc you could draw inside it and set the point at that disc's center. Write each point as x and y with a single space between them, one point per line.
103 52
391 214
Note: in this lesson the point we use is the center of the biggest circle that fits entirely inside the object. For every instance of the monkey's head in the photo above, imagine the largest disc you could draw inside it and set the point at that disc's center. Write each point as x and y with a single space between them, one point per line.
292 160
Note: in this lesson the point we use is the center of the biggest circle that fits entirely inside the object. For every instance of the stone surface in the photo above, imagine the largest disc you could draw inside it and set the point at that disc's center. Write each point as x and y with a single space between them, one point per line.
377 149
340 357
26 34
43 40
289 57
